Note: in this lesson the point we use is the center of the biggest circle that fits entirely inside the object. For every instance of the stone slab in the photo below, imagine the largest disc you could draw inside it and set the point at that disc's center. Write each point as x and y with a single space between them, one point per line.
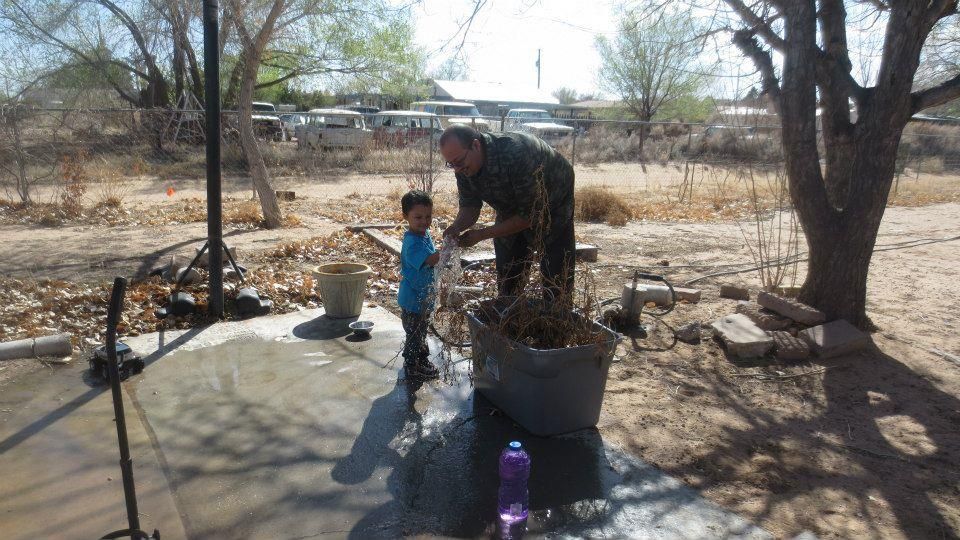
789 348
766 320
793 309
734 292
741 336
385 241
357 227
687 295
287 195
835 338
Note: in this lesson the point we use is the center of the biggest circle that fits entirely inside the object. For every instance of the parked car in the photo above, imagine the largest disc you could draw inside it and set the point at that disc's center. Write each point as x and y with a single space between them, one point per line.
400 128
332 128
289 123
453 112
266 122
537 122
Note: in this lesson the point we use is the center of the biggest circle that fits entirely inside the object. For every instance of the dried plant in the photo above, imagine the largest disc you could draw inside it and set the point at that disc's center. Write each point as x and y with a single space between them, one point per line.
774 244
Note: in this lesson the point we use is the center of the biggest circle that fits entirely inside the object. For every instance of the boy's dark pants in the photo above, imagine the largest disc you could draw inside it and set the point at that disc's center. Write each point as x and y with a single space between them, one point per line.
415 346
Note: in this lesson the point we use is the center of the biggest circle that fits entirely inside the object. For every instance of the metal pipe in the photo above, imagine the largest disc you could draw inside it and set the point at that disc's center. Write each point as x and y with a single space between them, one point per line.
126 464
211 77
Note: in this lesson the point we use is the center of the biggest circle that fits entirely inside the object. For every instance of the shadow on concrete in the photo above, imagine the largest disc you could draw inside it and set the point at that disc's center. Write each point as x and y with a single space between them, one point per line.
445 480
324 327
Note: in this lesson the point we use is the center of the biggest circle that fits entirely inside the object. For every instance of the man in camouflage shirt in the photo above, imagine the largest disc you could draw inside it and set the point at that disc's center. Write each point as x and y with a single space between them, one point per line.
530 186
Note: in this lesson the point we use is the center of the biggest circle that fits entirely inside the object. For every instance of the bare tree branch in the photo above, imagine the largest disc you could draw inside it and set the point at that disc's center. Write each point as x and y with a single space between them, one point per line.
938 95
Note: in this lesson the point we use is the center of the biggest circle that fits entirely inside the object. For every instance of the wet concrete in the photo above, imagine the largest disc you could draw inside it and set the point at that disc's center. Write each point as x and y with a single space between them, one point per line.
290 427
299 430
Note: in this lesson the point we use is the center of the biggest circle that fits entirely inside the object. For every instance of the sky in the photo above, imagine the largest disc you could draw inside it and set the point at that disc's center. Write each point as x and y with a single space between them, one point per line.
502 43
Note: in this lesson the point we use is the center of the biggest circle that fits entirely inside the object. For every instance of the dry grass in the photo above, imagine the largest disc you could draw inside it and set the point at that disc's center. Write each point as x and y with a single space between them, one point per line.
598 205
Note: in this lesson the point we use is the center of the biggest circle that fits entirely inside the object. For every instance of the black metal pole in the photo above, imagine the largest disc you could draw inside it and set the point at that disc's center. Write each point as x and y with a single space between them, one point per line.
211 77
126 464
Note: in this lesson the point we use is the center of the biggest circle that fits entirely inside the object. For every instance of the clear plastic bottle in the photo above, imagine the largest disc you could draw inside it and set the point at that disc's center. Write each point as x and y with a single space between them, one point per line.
513 498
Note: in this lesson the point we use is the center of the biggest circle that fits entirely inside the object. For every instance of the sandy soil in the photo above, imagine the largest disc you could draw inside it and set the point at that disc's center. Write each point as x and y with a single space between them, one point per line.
866 448
860 446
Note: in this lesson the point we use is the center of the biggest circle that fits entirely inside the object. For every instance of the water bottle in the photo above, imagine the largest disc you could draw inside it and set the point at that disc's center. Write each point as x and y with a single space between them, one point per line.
513 498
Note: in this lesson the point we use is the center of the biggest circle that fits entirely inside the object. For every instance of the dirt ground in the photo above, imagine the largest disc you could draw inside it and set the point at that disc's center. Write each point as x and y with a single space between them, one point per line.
860 446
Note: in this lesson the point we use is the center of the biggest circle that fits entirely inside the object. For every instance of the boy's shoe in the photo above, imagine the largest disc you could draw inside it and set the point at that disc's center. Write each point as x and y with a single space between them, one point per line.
422 370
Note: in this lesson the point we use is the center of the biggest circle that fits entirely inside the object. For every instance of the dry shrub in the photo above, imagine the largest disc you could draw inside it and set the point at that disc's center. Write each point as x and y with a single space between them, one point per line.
242 213
597 205
74 176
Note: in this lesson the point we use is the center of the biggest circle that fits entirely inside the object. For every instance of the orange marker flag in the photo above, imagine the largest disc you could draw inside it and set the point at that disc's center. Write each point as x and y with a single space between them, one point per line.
170 191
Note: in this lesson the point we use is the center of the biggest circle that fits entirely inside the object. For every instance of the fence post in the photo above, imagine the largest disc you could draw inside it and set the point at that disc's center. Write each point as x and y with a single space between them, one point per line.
574 152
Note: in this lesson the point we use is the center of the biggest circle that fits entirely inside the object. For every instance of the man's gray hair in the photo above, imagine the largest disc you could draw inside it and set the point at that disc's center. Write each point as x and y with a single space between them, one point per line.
464 134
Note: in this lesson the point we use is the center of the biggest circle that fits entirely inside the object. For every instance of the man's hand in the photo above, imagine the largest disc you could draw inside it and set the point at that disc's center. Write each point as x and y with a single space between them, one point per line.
470 238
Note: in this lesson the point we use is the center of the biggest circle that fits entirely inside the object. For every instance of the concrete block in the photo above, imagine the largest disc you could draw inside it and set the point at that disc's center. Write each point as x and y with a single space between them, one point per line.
789 348
835 338
587 252
734 292
787 307
690 295
204 260
286 195
741 337
766 320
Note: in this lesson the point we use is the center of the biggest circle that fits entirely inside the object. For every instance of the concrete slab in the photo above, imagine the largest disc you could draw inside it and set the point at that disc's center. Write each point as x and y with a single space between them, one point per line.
741 337
835 338
290 427
60 461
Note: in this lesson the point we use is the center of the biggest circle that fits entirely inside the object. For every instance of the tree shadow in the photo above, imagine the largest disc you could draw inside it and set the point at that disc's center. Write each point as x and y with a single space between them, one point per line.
861 393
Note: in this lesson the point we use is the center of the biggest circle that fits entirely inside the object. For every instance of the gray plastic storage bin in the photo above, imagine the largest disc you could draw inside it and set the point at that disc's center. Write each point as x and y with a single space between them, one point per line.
548 392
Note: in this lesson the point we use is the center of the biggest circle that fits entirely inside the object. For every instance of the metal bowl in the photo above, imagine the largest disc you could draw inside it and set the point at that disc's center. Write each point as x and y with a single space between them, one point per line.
362 328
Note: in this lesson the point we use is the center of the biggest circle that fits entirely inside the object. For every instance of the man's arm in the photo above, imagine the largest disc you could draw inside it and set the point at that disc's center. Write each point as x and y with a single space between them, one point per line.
506 227
466 217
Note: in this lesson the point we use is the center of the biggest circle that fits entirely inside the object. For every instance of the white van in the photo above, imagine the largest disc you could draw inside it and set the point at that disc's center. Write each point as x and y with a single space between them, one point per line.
453 112
332 128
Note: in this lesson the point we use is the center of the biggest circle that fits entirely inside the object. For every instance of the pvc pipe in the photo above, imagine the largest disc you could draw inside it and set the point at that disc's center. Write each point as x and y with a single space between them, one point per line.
56 345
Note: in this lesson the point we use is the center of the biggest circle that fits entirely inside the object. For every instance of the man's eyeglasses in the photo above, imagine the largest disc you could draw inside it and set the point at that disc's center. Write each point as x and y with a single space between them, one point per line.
459 162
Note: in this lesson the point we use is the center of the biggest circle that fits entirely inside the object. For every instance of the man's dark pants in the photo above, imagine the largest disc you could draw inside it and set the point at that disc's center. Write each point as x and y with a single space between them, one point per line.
514 256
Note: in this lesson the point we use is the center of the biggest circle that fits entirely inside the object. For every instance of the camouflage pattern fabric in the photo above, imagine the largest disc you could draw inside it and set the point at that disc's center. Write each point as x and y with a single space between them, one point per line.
508 180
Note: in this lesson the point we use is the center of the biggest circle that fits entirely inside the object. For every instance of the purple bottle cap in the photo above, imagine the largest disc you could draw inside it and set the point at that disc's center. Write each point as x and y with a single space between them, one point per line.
515 445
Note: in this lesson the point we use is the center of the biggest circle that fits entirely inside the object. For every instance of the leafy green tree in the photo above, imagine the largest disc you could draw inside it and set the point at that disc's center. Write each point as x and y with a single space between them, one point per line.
653 61
565 95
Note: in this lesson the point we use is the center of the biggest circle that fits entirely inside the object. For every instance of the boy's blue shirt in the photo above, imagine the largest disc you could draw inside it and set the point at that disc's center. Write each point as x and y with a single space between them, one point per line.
416 279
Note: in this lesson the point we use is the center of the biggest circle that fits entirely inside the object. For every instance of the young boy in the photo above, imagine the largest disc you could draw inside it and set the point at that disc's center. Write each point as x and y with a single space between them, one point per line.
417 259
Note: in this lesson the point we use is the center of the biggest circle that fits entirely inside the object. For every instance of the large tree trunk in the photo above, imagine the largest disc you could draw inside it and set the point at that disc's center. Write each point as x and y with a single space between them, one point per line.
251 151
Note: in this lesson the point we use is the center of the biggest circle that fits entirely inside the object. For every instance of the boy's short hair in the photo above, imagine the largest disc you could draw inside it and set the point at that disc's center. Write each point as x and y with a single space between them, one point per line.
415 197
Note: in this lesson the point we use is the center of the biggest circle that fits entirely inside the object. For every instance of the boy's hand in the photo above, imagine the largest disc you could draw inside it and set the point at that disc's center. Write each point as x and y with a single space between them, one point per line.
432 260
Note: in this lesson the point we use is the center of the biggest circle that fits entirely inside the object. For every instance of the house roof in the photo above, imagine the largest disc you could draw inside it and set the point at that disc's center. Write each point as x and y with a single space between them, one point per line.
495 92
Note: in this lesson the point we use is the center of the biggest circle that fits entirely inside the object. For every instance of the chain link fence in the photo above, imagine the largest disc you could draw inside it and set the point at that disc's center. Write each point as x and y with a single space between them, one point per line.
38 147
